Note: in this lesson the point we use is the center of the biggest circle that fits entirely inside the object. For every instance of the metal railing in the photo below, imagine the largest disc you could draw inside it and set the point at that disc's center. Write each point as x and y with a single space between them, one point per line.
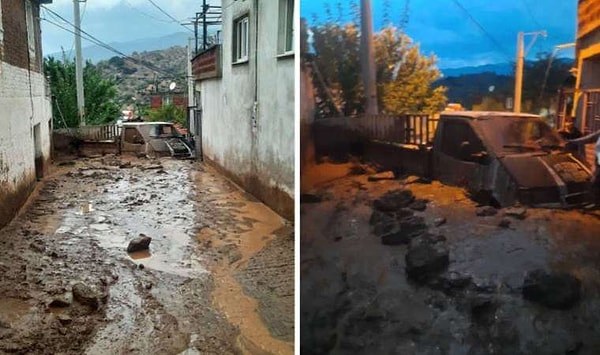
105 133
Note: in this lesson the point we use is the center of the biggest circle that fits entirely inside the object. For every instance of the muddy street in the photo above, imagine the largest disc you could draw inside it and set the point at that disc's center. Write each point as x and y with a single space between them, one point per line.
410 266
217 277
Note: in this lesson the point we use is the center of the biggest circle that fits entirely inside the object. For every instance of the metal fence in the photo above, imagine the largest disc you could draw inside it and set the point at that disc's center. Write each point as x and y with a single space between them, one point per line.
406 129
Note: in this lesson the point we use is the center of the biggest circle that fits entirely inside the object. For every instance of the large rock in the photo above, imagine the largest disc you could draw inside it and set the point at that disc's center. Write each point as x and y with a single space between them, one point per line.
418 205
426 260
486 211
84 294
516 212
394 200
552 289
402 231
138 244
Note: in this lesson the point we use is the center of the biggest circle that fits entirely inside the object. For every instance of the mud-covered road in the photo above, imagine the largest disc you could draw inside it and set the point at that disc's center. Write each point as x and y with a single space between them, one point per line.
359 295
218 277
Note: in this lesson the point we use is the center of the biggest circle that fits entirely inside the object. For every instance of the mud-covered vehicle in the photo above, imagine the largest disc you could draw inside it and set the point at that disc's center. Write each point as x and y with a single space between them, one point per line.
154 139
506 158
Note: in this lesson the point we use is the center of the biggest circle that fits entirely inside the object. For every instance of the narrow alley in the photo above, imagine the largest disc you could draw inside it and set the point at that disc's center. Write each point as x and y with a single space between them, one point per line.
218 276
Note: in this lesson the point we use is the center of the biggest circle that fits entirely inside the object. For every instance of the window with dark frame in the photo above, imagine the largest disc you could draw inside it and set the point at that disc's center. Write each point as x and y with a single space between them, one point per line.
240 39
286 26
454 134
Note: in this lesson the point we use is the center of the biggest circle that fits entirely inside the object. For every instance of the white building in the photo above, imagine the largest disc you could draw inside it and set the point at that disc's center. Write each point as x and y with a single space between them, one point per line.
25 108
245 100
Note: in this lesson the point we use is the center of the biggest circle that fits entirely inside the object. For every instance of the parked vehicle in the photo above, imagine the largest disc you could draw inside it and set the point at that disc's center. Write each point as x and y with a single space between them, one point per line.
154 139
508 157
500 158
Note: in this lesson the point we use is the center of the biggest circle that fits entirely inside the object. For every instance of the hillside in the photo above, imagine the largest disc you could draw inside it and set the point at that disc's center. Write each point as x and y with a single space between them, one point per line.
136 79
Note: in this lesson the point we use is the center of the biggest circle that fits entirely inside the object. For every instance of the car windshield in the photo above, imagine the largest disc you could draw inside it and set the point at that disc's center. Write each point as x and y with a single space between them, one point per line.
163 131
509 135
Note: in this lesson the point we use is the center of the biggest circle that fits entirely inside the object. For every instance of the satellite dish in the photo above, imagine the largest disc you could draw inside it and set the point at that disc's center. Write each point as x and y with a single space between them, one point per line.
172 86
492 88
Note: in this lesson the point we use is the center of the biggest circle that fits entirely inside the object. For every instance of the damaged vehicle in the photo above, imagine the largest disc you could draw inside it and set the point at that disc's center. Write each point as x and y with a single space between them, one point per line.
154 139
508 158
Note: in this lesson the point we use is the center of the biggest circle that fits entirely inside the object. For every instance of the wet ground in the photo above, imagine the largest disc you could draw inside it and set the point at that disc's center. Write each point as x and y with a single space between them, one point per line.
357 298
68 285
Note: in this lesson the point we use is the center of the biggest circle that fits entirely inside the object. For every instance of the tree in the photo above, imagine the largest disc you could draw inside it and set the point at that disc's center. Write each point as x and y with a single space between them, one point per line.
169 113
100 94
404 75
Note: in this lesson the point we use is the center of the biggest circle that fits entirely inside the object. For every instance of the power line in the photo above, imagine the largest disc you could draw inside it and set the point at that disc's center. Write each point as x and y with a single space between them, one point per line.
145 14
482 29
530 13
169 16
102 44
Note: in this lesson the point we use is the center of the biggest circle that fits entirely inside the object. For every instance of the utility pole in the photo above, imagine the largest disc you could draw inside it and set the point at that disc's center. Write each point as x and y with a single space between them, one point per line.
78 64
367 57
521 53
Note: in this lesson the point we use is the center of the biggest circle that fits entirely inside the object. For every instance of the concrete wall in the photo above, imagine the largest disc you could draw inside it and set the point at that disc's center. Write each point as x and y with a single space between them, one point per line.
248 114
25 112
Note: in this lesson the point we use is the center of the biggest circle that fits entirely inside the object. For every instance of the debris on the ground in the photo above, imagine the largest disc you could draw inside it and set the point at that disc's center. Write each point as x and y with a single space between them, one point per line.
426 257
59 302
439 221
486 211
552 289
64 319
418 205
504 223
394 200
310 198
516 212
385 175
84 294
142 242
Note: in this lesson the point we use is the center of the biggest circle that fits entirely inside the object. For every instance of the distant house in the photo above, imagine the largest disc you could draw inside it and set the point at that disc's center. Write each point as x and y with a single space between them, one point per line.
25 107
244 121
587 87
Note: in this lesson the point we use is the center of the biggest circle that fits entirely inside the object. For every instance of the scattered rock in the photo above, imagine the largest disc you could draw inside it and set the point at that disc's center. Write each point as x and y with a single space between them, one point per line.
427 238
85 295
516 212
394 200
418 205
483 309
402 231
450 282
504 223
486 211
386 175
64 319
439 221
140 243
411 180
38 246
59 302
378 217
552 289
152 167
425 260
125 165
310 198
66 163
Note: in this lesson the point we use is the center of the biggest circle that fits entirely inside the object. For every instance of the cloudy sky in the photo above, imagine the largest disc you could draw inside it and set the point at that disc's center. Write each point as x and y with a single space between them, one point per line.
440 26
118 20
444 28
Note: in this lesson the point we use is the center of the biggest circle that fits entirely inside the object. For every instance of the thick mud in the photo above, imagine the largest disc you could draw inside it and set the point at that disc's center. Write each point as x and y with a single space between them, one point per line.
356 297
166 300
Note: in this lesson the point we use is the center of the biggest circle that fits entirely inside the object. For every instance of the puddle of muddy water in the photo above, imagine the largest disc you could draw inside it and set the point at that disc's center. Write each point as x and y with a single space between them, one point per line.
257 224
13 309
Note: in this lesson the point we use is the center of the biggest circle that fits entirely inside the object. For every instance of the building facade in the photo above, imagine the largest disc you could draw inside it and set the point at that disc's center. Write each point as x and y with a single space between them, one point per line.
244 120
25 107
588 65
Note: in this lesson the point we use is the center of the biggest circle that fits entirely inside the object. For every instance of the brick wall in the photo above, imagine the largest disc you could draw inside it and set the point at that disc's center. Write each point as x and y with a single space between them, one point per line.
15 49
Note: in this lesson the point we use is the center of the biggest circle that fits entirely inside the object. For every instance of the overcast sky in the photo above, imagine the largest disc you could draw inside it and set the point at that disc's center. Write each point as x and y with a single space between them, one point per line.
118 20
443 28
